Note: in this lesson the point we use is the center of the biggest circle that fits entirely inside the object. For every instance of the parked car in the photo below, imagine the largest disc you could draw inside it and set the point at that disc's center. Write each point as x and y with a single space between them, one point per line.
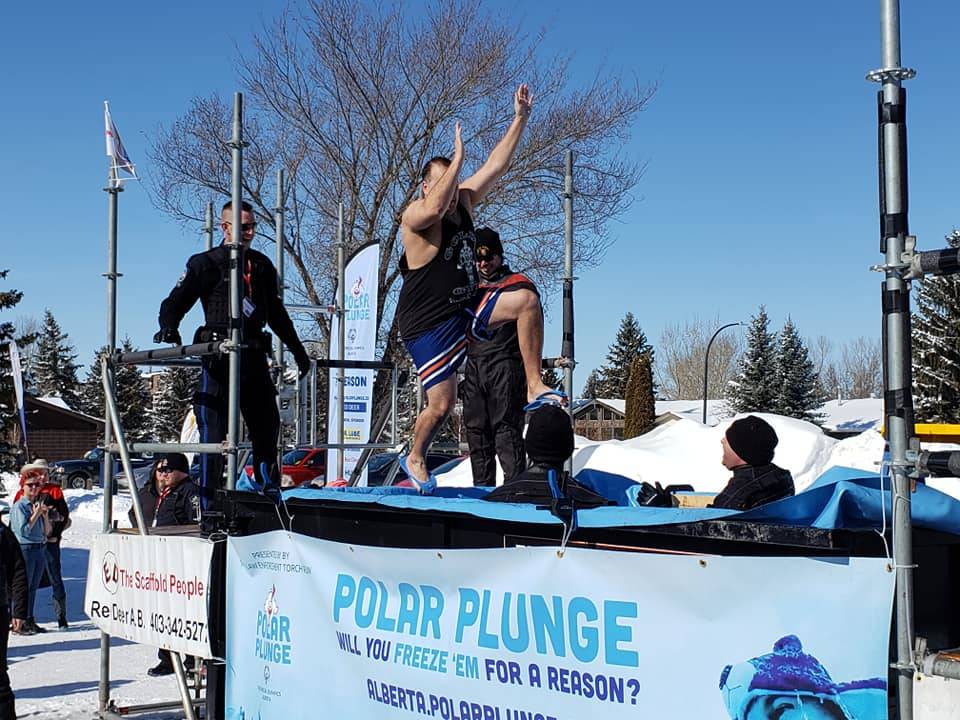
379 465
300 466
80 474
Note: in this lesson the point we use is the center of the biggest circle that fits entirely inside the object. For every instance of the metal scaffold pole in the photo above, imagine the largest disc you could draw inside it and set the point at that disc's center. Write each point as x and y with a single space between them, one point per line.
567 346
341 334
208 228
236 194
113 189
278 220
898 401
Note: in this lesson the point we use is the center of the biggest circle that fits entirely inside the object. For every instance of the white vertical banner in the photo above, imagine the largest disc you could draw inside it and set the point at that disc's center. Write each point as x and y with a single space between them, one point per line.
17 372
361 276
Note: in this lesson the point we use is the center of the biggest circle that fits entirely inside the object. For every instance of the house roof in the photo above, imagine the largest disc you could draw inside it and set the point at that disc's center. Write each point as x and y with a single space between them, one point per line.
56 404
854 416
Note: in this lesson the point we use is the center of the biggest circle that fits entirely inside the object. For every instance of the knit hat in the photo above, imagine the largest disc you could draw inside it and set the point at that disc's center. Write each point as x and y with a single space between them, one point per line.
174 461
753 439
549 438
786 671
488 243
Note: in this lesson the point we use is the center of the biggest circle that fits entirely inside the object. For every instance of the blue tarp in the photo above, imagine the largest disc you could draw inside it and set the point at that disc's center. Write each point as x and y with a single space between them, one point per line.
840 498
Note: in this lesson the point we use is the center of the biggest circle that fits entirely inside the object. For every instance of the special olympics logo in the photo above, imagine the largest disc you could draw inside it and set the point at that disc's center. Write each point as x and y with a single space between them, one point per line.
357 289
266 673
110 573
270 606
352 336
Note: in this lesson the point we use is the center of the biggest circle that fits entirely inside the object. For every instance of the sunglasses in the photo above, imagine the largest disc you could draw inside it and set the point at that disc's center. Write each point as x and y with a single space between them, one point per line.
34 484
245 227
164 469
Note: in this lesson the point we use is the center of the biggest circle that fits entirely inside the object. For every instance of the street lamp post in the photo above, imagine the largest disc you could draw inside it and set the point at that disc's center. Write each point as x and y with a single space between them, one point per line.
706 365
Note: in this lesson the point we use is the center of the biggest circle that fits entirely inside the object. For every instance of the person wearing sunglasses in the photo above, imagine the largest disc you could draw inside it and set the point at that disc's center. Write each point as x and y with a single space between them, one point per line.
177 503
31 524
51 495
207 279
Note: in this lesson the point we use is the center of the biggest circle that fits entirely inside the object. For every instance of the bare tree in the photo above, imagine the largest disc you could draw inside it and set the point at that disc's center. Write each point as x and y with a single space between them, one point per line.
858 373
680 359
862 368
351 100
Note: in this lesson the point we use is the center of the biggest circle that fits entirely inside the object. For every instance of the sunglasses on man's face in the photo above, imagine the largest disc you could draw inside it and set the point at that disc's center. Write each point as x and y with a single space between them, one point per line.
245 227
26 485
164 469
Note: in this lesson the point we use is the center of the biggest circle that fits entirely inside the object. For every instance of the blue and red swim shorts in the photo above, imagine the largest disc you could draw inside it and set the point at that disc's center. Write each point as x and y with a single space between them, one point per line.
439 352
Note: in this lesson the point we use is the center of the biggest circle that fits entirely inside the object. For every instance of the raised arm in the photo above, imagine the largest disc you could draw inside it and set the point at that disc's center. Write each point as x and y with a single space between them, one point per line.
438 194
480 183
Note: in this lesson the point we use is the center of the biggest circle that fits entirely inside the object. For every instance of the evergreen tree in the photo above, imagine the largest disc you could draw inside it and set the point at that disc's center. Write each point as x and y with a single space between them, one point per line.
630 344
552 379
9 415
53 368
133 399
641 412
799 395
591 386
754 389
91 389
171 401
936 347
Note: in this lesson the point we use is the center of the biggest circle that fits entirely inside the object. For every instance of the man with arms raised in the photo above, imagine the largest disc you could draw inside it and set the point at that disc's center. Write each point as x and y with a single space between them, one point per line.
440 304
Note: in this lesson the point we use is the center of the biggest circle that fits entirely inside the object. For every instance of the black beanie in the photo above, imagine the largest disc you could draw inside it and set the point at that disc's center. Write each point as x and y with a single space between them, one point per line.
549 438
488 243
752 439
175 461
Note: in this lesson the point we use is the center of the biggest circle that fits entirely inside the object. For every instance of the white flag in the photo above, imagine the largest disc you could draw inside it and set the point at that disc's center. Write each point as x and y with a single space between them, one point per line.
115 149
18 384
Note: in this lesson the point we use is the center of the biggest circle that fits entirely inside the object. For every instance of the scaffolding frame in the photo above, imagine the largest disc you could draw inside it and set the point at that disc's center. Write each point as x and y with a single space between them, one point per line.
115 443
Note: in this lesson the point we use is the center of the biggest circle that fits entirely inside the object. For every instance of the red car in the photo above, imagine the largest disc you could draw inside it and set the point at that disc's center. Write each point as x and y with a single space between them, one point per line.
300 467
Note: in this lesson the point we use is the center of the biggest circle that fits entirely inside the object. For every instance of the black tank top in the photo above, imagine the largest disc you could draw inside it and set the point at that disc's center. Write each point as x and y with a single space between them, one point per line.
437 291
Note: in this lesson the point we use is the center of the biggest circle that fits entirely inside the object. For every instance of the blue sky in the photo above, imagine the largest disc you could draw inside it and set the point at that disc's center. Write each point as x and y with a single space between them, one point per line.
760 144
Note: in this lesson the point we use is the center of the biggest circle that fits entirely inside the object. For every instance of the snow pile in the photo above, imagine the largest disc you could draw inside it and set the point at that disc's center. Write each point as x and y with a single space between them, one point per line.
687 452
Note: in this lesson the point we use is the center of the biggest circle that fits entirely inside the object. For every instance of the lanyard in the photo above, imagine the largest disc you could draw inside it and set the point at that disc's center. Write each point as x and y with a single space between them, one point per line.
156 512
248 279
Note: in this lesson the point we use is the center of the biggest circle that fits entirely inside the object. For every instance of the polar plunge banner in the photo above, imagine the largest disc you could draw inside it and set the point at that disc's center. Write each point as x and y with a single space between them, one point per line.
525 634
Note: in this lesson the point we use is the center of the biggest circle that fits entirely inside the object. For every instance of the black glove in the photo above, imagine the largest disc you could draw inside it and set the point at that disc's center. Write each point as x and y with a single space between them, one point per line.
168 335
303 365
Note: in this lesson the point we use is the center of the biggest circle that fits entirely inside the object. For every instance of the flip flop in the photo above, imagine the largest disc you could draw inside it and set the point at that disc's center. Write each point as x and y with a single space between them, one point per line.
546 399
425 488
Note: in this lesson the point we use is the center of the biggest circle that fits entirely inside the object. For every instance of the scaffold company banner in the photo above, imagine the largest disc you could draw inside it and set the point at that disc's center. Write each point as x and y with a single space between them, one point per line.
151 589
361 276
320 628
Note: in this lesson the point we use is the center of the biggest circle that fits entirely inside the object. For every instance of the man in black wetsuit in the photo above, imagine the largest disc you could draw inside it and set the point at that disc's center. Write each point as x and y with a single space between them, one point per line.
207 278
439 305
494 389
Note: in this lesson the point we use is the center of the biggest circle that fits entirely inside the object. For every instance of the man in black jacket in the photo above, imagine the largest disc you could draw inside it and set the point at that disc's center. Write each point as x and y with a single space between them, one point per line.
13 611
178 503
494 388
748 447
207 278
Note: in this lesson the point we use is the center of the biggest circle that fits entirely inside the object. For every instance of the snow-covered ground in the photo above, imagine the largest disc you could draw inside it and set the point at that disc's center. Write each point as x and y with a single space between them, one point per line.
55 675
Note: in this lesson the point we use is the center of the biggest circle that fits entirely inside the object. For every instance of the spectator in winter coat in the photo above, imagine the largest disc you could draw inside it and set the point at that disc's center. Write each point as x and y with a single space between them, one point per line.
149 494
31 524
13 610
51 495
178 503
748 447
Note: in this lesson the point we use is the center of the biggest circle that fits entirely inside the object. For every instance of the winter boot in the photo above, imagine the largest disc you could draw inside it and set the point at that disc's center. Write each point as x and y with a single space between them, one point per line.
32 624
60 610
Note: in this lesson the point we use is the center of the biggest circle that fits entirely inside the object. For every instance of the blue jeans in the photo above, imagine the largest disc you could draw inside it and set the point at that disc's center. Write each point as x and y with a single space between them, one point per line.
52 551
36 560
